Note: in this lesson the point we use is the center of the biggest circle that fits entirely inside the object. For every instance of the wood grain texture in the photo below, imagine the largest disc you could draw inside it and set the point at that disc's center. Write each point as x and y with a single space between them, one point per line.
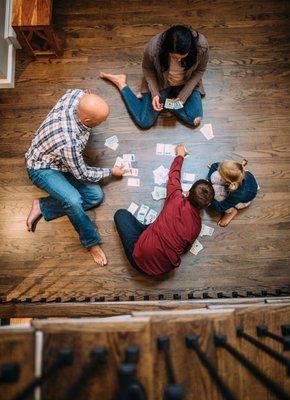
247 102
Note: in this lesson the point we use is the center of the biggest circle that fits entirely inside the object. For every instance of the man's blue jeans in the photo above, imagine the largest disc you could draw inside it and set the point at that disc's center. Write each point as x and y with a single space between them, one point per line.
71 197
144 114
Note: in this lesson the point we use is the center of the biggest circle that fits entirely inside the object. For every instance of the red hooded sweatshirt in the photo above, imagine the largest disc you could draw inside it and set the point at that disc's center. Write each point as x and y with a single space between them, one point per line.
160 246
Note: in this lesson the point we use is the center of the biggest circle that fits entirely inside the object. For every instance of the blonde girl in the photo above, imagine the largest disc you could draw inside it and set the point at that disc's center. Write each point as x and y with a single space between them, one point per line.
234 187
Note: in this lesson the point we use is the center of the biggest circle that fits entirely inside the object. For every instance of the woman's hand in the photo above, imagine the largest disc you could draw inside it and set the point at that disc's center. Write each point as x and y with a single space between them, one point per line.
156 103
117 172
180 150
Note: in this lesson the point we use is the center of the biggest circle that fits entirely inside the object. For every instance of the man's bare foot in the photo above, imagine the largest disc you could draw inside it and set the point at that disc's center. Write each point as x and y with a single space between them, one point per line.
227 218
33 216
118 80
98 255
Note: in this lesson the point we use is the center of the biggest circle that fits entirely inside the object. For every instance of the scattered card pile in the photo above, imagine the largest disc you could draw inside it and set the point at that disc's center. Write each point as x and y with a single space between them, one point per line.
145 214
163 149
207 131
173 105
159 193
112 142
160 175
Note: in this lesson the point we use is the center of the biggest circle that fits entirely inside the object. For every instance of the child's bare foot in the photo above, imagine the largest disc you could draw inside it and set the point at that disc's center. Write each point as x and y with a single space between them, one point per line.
197 121
98 255
227 218
118 80
33 216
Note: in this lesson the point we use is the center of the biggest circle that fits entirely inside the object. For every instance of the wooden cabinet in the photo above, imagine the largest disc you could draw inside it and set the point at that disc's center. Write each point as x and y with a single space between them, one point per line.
32 22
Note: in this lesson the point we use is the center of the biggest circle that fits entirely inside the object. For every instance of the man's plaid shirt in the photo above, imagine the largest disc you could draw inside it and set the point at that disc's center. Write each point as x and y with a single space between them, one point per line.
60 141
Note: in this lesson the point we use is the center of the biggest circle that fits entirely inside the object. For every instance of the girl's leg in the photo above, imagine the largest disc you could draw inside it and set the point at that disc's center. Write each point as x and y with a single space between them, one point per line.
192 111
140 109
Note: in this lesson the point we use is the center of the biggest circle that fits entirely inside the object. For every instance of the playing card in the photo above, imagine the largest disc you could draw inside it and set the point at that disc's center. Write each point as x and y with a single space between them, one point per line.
129 157
196 247
159 193
112 139
133 207
206 230
177 105
160 175
142 213
112 146
169 103
151 216
134 182
186 187
188 177
160 149
131 172
169 149
119 162
207 131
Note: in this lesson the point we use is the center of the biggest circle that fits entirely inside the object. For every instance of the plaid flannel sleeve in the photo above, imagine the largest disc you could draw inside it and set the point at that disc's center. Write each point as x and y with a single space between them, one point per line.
73 159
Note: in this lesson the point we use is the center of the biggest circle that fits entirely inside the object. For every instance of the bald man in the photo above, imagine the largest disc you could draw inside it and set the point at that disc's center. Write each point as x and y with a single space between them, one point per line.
55 164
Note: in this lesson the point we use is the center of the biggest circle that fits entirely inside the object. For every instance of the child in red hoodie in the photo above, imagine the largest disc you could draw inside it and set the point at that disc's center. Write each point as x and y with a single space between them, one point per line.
156 248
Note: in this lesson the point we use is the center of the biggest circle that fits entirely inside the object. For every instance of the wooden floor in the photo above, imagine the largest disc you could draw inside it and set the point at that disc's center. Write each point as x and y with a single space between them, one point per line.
247 102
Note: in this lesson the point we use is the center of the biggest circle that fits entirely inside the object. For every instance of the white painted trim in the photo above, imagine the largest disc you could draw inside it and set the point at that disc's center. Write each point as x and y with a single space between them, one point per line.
9 81
9 33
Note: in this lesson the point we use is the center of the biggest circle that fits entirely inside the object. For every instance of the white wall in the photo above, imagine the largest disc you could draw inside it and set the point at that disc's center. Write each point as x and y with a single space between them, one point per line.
3 43
8 44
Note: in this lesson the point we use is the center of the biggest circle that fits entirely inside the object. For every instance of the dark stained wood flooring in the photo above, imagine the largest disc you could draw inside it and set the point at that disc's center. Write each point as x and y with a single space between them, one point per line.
247 102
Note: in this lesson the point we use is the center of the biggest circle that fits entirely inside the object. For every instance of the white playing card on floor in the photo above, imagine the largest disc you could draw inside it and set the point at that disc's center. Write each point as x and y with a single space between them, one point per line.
129 157
196 247
169 149
188 177
186 187
133 207
160 149
206 230
159 193
207 131
131 172
134 182
142 213
151 216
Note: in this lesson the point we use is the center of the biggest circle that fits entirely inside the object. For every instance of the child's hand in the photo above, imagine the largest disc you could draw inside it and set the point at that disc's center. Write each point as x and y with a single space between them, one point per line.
180 150
209 164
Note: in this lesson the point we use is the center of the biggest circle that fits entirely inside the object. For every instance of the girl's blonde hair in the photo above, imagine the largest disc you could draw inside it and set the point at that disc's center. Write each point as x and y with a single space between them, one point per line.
233 172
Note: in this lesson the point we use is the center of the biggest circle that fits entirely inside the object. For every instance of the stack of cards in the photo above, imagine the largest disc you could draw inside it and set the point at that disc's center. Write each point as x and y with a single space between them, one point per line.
163 149
112 142
188 177
207 131
160 175
196 247
206 230
159 193
172 104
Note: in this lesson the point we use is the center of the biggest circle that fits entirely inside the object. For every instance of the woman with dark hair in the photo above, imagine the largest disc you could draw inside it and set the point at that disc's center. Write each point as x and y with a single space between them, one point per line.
173 64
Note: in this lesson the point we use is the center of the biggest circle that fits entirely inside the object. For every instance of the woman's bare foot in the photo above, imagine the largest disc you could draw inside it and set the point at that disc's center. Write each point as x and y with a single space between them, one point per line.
33 216
197 121
118 80
227 218
98 255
